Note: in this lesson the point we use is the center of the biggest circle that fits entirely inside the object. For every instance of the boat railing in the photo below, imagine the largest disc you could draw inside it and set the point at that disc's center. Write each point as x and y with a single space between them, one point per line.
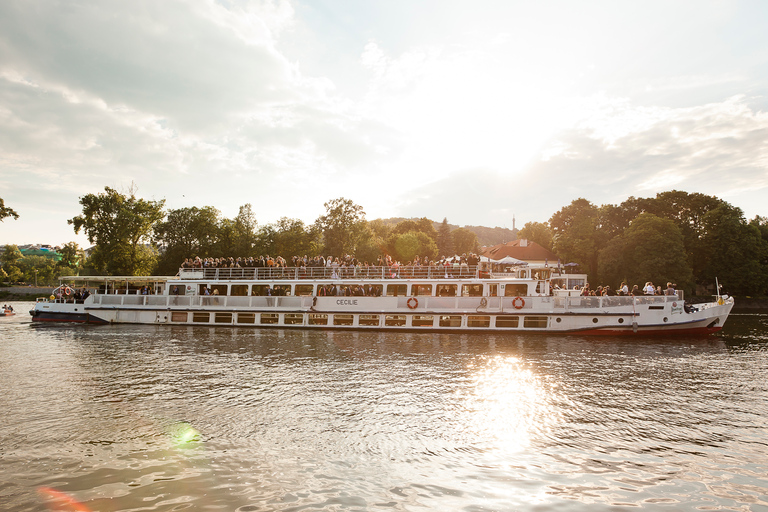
505 305
370 272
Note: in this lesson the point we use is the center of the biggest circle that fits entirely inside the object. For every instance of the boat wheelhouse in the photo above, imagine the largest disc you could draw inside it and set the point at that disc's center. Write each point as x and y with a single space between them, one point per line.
527 299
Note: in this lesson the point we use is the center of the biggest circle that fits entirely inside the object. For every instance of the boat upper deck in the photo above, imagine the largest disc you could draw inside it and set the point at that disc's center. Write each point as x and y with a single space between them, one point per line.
370 272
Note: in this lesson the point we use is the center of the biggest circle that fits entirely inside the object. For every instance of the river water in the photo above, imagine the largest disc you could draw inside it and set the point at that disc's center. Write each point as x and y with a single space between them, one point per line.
144 418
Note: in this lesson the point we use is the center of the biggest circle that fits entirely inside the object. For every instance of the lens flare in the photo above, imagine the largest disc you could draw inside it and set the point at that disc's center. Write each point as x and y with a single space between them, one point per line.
60 502
183 433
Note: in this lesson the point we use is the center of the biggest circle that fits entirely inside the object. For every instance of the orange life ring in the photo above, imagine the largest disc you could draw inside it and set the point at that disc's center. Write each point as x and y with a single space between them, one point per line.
67 291
520 304
413 303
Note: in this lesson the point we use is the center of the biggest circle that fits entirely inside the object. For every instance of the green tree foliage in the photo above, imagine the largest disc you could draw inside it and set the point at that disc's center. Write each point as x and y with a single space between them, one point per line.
372 243
120 226
651 249
244 231
10 260
444 239
342 227
538 232
6 211
736 252
72 256
290 237
575 235
406 246
464 241
48 270
420 240
186 233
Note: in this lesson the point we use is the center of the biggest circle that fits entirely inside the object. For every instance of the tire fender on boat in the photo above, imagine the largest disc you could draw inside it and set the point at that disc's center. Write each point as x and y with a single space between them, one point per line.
518 302
413 303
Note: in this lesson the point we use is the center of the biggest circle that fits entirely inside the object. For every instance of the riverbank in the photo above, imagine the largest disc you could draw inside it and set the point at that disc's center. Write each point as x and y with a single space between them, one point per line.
24 292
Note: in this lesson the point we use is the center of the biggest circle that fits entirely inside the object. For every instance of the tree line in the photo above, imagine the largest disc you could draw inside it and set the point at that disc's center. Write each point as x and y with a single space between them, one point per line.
135 236
689 239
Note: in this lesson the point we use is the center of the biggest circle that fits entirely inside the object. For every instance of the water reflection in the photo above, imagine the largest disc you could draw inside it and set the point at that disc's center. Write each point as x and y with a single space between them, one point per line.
507 403
153 418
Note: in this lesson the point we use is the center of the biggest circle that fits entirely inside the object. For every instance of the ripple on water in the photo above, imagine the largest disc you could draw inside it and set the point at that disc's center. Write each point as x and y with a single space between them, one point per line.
145 418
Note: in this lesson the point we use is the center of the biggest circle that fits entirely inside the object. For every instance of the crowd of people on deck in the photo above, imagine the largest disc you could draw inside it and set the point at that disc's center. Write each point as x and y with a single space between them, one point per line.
339 266
624 290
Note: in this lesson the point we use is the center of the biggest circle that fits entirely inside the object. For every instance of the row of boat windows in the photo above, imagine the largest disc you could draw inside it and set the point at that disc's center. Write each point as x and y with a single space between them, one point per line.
373 290
339 319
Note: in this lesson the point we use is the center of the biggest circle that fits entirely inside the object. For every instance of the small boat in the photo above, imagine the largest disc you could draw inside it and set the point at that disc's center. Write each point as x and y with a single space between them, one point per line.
434 299
7 311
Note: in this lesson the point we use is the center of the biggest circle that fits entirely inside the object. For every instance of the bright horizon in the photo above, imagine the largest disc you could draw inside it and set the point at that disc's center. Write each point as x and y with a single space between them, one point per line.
409 109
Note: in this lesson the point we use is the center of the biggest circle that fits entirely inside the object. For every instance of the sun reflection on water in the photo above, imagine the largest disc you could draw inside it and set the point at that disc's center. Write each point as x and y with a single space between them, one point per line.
508 404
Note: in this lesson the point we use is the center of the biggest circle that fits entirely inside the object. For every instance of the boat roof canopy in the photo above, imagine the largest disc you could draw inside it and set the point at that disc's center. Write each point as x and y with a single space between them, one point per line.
122 279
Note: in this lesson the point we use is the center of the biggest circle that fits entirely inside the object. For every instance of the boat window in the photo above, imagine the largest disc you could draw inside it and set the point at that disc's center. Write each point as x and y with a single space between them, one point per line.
246 318
304 289
422 321
507 321
393 290
516 290
260 290
421 289
201 317
223 318
493 290
471 290
368 320
218 289
478 321
318 319
281 289
239 290
293 318
537 322
450 321
394 320
446 290
178 316
343 319
269 318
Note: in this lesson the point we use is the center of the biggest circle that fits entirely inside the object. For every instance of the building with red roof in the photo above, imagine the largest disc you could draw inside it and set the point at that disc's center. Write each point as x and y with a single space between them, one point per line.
522 249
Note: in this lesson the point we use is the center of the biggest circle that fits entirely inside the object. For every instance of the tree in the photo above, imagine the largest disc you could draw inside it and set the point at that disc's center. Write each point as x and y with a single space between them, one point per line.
464 241
444 239
538 232
71 255
10 260
244 231
292 238
186 233
651 249
735 252
120 227
6 211
406 246
574 230
342 226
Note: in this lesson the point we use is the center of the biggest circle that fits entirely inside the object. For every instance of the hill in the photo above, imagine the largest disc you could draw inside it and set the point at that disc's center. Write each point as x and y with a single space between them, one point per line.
485 236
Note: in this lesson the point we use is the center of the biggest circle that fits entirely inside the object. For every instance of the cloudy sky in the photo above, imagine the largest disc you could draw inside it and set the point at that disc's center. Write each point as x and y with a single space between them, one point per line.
474 111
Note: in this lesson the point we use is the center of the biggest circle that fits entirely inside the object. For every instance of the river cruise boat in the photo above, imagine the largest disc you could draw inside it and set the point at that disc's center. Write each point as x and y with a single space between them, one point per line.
522 299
